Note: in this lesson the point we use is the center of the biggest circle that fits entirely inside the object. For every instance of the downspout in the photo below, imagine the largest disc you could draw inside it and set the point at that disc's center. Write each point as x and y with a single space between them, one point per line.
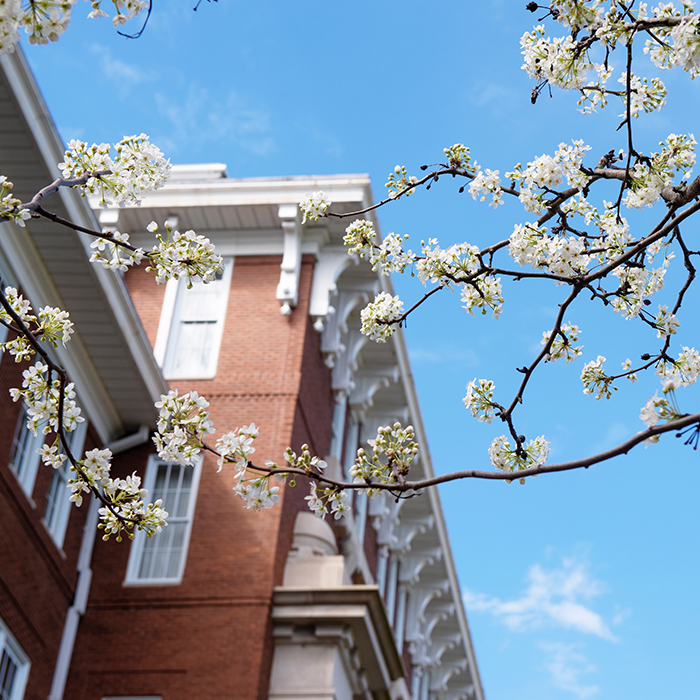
82 588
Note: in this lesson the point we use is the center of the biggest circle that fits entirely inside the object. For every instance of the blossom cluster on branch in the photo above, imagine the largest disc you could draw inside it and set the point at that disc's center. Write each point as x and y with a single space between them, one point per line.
45 20
571 240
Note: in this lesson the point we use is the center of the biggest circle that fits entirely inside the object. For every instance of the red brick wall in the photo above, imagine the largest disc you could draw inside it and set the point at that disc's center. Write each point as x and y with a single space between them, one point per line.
210 636
37 580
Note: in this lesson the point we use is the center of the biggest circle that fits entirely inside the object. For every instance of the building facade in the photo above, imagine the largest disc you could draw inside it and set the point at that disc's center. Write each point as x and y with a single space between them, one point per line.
225 603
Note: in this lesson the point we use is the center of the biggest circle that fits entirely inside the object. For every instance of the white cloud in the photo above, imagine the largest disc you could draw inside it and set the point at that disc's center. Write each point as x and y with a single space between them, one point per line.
553 598
566 665
121 75
228 118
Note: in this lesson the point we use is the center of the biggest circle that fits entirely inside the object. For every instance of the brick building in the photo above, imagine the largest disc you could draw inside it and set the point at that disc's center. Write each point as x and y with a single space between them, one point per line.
225 603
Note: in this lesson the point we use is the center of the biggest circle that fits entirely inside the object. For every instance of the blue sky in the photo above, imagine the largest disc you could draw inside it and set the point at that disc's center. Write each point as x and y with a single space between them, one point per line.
577 585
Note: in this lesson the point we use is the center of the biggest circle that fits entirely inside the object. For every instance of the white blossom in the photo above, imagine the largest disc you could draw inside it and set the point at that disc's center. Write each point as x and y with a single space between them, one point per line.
236 445
314 206
10 207
186 255
666 323
112 256
483 293
487 184
448 265
379 317
137 168
509 459
41 399
392 451
479 399
595 381
563 343
183 423
400 182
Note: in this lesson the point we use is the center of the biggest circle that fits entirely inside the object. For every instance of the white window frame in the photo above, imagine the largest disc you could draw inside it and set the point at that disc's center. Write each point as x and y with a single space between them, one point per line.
139 544
169 326
10 647
57 507
24 460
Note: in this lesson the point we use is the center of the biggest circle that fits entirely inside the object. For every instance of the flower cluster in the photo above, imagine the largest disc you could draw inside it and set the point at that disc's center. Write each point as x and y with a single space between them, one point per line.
665 322
124 510
561 255
565 62
555 61
183 423
484 184
182 255
651 175
479 399
257 493
304 460
645 95
636 285
51 325
508 459
685 370
314 206
595 381
393 450
458 157
42 397
255 490
138 167
400 182
321 501
46 20
50 455
563 343
452 264
542 175
658 408
235 448
113 254
483 293
379 317
126 10
388 256
10 206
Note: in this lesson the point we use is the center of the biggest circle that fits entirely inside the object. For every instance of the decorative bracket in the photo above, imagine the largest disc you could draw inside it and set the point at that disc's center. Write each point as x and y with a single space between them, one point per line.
288 287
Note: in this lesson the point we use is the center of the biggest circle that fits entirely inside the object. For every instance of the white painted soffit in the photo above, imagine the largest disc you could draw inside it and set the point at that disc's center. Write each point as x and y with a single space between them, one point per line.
110 359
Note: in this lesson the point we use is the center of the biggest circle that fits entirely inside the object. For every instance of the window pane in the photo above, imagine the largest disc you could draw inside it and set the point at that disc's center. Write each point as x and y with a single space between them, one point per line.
197 323
8 671
180 503
161 556
161 481
22 445
195 346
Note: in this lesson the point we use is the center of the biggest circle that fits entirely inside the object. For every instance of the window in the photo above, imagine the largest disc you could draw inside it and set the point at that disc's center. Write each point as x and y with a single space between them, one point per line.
192 322
161 559
14 667
58 506
24 461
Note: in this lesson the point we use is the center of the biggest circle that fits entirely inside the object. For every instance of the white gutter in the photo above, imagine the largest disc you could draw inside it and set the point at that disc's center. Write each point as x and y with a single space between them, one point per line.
82 588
